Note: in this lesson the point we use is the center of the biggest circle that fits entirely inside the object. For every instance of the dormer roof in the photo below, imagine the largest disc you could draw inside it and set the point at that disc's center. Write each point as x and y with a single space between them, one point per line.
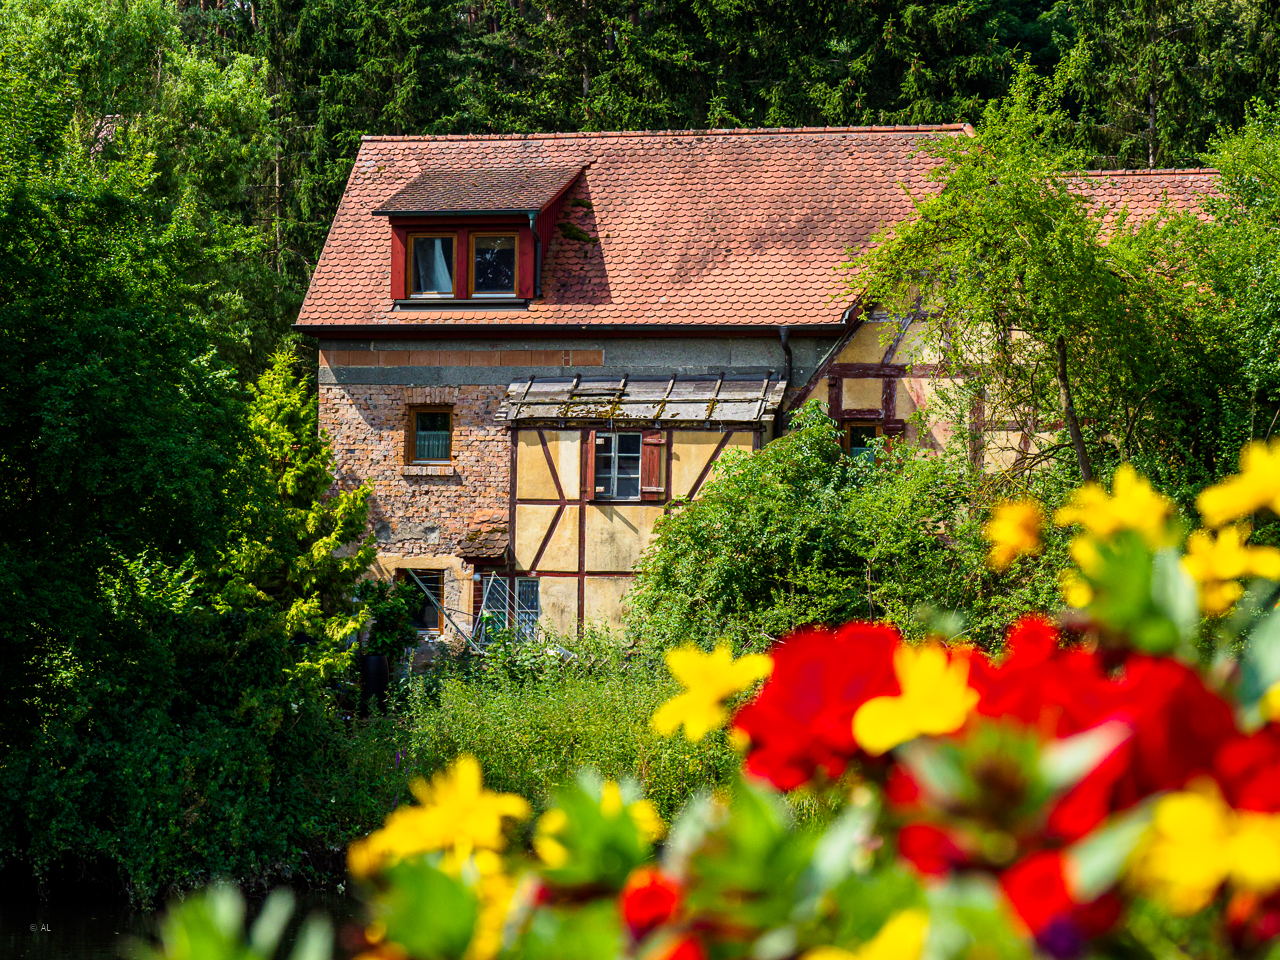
473 191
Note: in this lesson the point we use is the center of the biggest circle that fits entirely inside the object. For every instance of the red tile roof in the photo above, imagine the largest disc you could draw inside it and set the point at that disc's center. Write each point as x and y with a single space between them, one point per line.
741 227
481 190
1144 192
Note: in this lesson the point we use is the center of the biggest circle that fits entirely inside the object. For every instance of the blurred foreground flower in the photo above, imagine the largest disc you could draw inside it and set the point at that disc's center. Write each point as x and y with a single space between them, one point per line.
1014 530
649 899
1131 505
1257 485
1218 564
1196 843
901 938
709 680
456 815
935 699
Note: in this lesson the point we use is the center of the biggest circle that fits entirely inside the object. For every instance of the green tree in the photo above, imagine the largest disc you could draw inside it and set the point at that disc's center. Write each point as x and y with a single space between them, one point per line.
1047 307
287 554
1154 80
204 128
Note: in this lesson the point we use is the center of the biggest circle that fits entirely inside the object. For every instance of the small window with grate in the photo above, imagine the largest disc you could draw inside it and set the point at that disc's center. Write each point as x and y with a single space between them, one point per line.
429 438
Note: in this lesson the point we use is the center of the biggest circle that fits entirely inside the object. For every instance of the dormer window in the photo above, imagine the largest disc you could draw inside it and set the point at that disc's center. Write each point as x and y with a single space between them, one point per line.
493 264
460 233
431 265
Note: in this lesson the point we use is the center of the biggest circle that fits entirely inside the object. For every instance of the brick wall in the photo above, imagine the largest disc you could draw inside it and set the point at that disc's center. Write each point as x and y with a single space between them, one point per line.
418 515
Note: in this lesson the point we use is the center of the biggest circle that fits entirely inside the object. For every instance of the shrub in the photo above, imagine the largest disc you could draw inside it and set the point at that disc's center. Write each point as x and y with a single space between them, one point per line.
800 533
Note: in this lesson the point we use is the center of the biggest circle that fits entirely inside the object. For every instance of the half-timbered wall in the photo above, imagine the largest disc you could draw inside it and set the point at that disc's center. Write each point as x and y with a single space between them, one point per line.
582 549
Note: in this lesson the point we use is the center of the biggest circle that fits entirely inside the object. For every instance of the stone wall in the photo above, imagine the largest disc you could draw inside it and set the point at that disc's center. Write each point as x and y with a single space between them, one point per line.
414 515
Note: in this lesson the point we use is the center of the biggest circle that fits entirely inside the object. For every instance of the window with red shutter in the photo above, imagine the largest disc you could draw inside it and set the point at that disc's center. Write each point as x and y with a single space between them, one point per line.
652 446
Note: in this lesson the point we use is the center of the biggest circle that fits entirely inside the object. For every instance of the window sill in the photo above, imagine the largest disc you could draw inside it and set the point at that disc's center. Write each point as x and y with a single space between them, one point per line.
401 306
427 470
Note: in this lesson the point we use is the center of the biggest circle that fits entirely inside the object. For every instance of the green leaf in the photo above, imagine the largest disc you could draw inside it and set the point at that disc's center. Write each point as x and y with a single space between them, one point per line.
1065 762
315 941
429 913
1093 864
1174 593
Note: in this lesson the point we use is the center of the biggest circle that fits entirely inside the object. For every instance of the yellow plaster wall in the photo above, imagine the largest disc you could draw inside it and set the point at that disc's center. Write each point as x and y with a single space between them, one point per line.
559 599
603 600
862 394
904 404
865 346
562 549
532 521
912 348
615 536
1000 448
533 476
566 454
690 451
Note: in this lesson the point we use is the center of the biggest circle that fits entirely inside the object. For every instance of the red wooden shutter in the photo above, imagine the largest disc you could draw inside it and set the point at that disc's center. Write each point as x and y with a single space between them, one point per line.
651 444
589 466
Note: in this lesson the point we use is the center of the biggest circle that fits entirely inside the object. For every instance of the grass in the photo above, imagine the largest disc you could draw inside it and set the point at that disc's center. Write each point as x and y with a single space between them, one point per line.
532 736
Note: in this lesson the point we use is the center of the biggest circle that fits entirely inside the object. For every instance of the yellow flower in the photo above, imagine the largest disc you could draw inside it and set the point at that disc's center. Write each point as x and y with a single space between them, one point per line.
1216 565
1084 551
1014 529
1257 485
642 812
494 889
553 853
709 679
901 938
1270 703
1076 592
1132 505
1196 843
935 699
456 815
1255 852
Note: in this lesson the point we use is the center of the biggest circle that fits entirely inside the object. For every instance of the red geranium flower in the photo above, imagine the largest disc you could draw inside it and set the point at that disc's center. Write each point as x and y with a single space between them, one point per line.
648 899
1037 889
1057 692
929 849
1178 726
802 720
686 948
1249 770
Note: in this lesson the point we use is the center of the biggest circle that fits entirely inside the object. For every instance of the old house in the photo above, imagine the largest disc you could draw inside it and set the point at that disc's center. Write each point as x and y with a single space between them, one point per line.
532 345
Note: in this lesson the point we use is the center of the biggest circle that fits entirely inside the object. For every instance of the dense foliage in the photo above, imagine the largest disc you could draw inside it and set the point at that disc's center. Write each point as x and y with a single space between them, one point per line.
801 533
535 713
176 578
173 601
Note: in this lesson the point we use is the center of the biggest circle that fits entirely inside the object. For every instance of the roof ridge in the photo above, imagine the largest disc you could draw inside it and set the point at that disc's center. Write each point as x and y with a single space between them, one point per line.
711 132
1148 172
